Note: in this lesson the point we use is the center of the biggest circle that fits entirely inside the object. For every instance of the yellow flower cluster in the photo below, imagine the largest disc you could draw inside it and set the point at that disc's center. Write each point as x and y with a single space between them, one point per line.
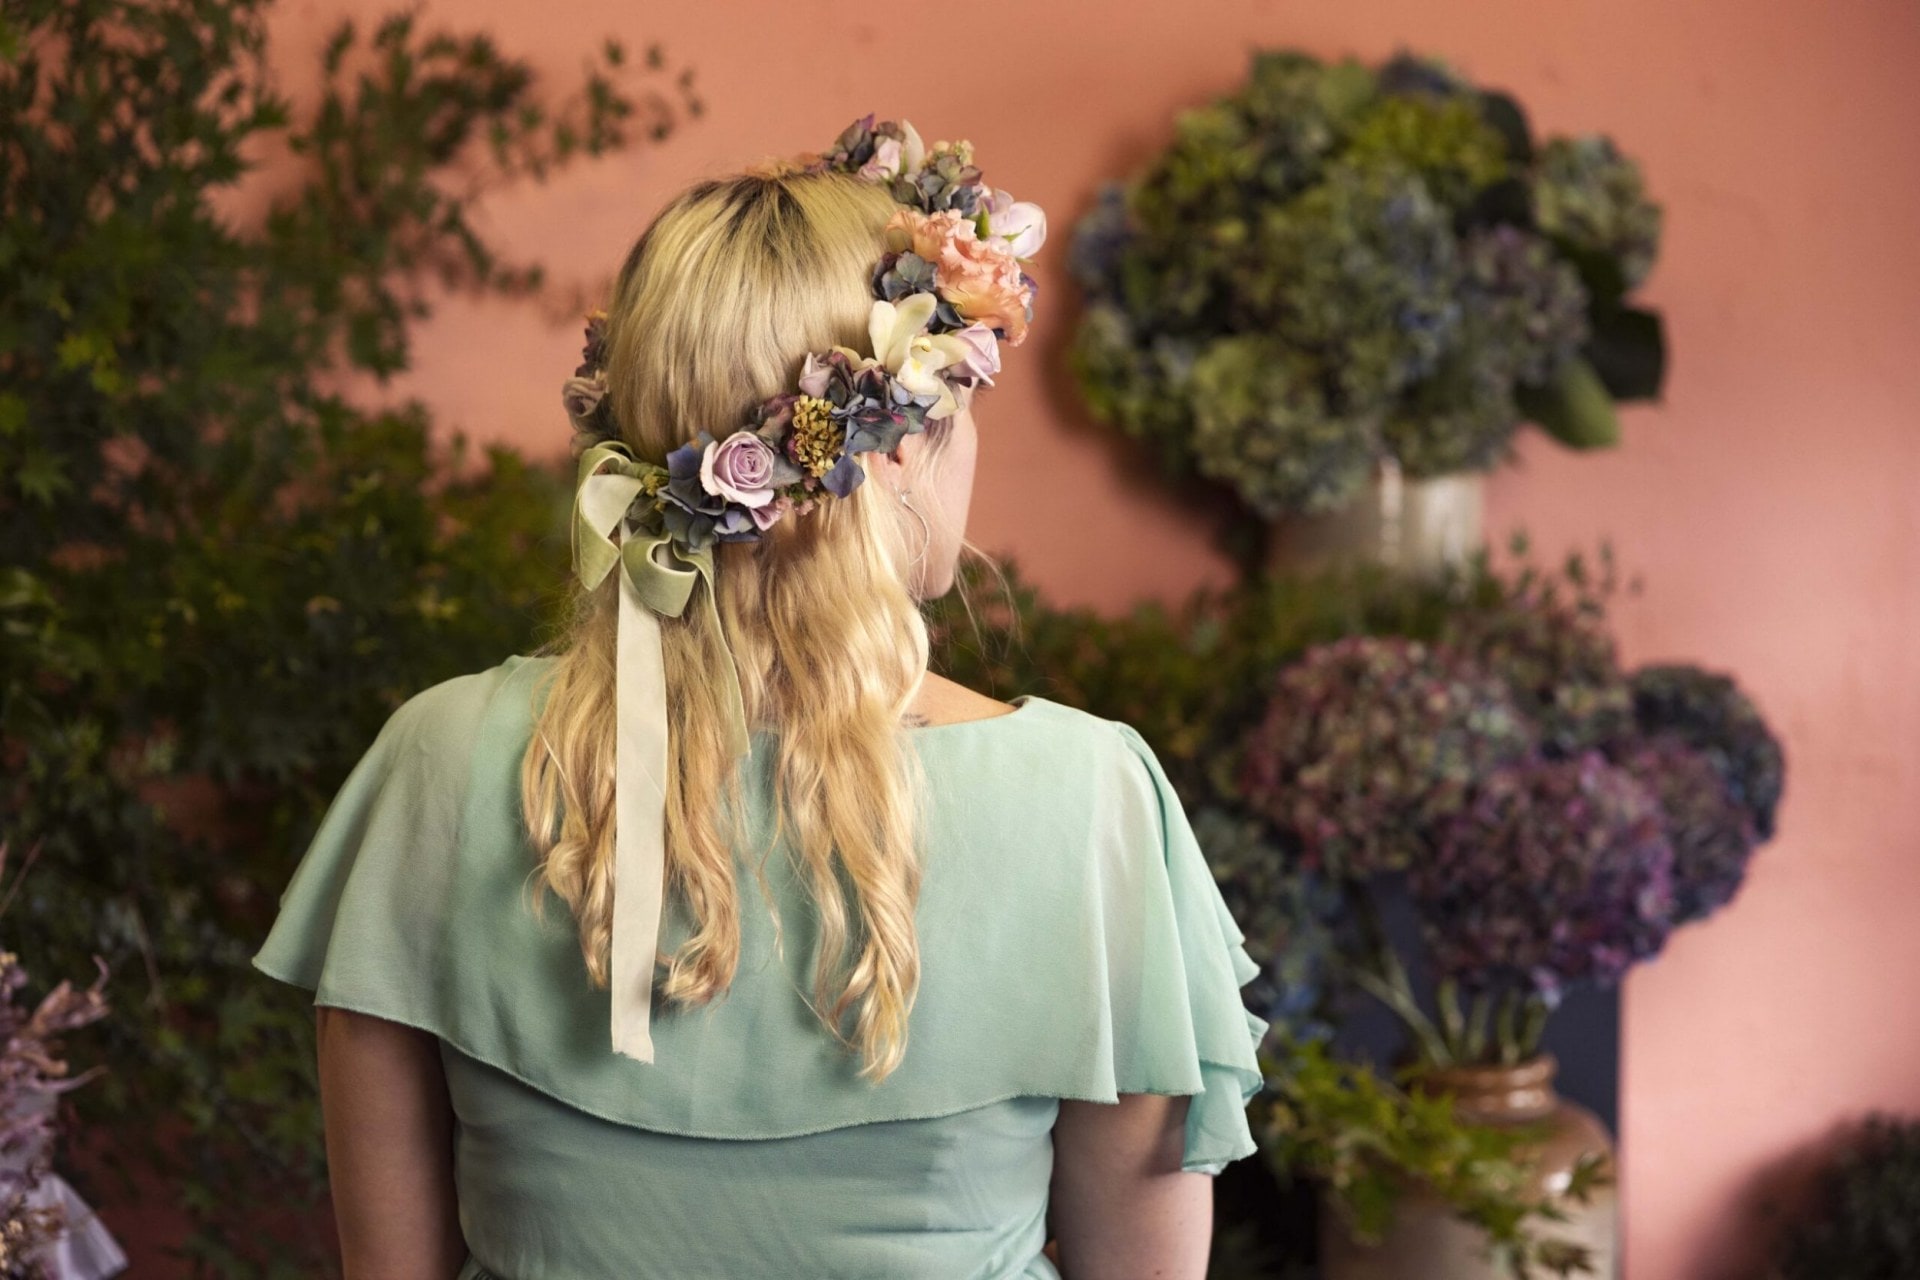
654 481
816 436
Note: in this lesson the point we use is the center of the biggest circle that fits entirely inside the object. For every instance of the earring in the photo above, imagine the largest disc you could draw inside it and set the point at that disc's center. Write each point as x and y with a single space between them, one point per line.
926 529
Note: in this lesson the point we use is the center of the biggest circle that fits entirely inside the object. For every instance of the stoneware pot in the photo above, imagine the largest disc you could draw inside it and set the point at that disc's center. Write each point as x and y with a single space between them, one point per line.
1426 1242
1418 526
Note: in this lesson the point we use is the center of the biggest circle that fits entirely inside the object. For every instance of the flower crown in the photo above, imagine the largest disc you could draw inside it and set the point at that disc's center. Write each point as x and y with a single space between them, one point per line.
948 289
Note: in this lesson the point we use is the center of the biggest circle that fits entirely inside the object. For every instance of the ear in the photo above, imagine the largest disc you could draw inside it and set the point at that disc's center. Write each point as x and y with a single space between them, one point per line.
907 448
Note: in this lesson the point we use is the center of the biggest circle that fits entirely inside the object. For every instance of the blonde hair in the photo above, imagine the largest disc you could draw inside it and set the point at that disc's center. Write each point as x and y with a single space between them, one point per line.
714 309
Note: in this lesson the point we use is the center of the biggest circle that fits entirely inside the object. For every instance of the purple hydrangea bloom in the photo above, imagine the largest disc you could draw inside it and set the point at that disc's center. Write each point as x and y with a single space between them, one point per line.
1709 713
854 147
593 354
1527 304
687 511
1558 660
1557 874
1093 256
1713 838
944 182
1412 76
1367 742
844 476
899 275
863 401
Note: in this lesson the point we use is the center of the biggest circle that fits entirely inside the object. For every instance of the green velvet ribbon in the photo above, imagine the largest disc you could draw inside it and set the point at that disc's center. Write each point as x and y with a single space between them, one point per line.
610 478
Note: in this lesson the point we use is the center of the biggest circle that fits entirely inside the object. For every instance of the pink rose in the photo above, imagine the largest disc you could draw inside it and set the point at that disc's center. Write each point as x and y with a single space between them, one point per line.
983 282
814 376
927 235
765 517
739 469
982 352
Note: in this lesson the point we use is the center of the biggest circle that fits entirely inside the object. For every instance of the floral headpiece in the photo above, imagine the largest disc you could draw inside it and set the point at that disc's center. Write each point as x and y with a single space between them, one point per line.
949 288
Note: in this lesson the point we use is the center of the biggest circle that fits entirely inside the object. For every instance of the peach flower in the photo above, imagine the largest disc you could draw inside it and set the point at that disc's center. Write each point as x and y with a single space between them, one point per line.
927 236
983 282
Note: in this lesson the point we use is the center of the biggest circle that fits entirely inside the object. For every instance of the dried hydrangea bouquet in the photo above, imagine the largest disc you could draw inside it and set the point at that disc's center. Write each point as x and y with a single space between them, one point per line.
1552 819
1338 273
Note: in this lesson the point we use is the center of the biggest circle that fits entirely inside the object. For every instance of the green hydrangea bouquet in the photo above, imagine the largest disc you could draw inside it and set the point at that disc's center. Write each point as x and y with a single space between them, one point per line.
1337 266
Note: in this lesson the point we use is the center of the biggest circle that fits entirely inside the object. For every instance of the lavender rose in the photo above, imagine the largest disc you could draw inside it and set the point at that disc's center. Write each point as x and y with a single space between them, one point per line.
739 469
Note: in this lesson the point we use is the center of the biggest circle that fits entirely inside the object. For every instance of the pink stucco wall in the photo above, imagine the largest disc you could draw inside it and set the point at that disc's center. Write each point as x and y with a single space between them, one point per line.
1769 504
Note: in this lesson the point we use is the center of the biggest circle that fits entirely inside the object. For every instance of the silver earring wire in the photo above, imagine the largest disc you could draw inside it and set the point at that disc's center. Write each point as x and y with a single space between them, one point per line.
926 530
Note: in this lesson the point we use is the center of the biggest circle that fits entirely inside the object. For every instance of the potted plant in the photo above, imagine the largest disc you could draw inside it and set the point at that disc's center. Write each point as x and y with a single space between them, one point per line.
1552 820
1375 1145
1340 291
1863 1216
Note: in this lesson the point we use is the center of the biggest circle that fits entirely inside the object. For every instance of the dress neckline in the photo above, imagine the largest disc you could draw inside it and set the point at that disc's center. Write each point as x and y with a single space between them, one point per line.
1021 705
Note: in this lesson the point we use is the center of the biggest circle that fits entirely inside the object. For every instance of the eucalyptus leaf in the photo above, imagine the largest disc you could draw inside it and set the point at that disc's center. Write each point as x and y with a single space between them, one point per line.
1574 408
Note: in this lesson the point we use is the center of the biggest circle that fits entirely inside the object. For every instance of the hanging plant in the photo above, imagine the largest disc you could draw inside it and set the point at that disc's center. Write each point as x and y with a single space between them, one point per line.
1336 266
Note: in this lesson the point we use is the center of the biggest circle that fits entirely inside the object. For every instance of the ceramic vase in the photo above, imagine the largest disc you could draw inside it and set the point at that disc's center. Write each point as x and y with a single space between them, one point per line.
1426 1242
1418 526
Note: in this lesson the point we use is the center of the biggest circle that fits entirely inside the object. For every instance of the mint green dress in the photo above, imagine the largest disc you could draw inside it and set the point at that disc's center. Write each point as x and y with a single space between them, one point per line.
1073 945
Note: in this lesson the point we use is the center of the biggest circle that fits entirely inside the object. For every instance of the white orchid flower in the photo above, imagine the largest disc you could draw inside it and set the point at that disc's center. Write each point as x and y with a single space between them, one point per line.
912 356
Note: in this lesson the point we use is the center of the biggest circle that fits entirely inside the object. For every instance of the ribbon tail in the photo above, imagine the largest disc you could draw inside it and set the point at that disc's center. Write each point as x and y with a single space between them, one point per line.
640 809
738 741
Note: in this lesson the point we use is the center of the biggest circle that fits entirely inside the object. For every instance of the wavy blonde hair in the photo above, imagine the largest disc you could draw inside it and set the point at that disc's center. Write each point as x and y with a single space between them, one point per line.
714 309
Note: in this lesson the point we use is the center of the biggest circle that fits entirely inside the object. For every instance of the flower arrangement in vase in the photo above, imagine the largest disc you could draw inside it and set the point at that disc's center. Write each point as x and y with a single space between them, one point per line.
39 1212
1553 820
1338 269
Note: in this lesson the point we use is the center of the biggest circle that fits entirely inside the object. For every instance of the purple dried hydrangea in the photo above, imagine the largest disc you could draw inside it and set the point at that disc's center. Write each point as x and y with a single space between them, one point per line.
1559 663
1590 198
593 351
1557 873
947 178
32 1076
1713 838
1367 742
1289 915
1526 305
1099 242
1709 713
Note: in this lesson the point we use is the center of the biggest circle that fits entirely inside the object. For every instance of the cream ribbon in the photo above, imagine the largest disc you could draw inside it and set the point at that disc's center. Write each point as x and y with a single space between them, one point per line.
610 479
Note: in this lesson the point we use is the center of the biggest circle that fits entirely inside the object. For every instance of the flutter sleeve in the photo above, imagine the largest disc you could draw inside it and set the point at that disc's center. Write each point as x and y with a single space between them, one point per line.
1176 963
364 921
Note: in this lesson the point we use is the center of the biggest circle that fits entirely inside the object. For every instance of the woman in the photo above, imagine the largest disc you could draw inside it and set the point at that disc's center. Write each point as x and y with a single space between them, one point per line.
941 978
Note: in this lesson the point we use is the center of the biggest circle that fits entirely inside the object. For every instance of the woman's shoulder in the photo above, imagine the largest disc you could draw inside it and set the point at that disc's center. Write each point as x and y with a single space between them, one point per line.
1048 759
1038 723
447 713
437 737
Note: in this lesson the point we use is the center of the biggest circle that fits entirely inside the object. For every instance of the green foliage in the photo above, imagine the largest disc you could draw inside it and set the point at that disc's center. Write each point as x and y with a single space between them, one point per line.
1189 677
223 576
1865 1220
1368 1142
1334 266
